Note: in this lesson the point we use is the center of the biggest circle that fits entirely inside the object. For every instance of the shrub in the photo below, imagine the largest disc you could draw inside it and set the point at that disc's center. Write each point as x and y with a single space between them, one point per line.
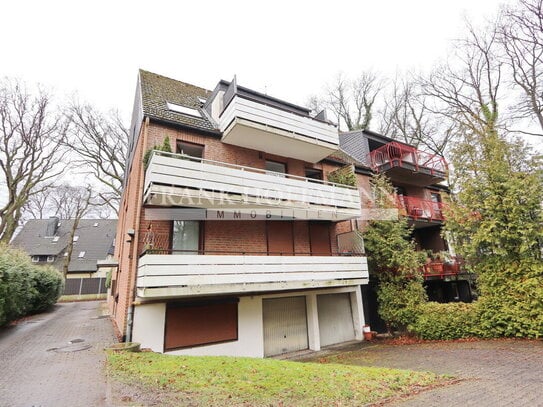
49 285
447 321
24 287
399 302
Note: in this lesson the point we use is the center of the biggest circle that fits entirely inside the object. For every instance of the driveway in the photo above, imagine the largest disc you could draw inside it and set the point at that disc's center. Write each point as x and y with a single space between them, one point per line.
56 358
493 373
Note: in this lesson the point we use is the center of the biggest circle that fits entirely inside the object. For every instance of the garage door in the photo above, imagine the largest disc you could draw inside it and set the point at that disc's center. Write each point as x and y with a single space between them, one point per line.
285 325
335 318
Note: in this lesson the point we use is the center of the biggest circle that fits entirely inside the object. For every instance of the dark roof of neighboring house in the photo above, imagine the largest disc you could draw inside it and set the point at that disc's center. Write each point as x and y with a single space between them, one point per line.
354 145
95 241
157 90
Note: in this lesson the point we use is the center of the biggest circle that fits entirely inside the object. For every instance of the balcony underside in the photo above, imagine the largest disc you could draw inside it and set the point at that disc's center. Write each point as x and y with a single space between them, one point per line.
169 196
256 136
407 173
169 276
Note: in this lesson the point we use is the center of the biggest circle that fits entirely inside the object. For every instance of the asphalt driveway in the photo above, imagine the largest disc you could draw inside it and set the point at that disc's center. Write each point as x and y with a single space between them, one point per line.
492 373
56 358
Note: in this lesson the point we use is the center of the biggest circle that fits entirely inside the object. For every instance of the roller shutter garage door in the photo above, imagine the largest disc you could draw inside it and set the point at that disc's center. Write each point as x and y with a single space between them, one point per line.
335 318
285 325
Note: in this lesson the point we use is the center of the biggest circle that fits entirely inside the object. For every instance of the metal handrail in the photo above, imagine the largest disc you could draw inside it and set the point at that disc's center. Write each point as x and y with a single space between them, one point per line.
397 155
248 253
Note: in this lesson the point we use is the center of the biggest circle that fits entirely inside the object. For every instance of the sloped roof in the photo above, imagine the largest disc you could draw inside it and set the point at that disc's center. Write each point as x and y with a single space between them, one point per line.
158 90
355 145
95 241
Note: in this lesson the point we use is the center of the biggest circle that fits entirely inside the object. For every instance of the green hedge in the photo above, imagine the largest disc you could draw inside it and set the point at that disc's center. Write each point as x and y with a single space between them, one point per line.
447 321
25 288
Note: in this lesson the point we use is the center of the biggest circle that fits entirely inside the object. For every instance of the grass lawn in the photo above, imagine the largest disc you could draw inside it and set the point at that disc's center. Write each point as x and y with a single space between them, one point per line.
218 381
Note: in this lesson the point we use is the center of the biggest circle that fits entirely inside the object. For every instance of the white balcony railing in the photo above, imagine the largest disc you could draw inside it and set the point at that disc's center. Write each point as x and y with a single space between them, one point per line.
251 124
180 180
178 275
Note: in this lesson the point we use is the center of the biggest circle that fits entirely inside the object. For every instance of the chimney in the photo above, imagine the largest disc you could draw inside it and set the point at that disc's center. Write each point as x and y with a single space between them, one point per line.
52 226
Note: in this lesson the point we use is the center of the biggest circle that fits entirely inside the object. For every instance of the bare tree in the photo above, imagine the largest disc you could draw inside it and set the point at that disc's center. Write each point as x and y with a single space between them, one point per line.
32 133
521 38
406 117
38 205
79 204
466 90
351 101
100 143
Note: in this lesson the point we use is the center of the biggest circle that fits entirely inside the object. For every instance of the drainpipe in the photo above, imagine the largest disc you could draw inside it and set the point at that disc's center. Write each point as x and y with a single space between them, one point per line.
135 238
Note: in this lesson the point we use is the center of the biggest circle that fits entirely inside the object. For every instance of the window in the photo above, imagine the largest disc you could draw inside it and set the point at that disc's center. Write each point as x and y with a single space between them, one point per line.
313 173
186 236
55 239
189 111
76 238
50 259
81 255
192 149
35 259
276 168
193 324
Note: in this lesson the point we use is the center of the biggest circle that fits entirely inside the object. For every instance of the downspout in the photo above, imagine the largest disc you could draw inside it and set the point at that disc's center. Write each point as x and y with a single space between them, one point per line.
135 256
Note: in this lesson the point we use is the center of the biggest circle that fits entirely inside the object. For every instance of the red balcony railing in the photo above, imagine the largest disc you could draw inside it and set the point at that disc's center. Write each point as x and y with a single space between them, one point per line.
418 208
441 269
396 154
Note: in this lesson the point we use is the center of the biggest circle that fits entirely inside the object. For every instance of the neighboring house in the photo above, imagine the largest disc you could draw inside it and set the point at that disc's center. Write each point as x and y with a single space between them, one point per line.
419 181
47 241
240 276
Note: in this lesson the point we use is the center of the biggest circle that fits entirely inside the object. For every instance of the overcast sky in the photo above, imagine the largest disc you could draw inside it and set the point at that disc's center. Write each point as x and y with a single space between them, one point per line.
288 49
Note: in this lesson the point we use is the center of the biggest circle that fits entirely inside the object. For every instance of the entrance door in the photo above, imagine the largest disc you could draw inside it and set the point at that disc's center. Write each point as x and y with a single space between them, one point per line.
285 325
280 238
319 238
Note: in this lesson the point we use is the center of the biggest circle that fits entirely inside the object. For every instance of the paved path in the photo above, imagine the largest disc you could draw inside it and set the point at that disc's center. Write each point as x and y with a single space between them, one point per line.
56 358
496 373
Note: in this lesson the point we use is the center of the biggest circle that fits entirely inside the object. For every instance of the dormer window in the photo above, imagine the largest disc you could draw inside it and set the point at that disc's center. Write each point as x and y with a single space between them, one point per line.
95 224
189 111
35 259
76 238
55 239
50 259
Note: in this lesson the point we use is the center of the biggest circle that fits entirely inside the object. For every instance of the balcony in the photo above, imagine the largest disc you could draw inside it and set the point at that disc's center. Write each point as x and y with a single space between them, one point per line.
420 209
253 124
188 274
180 180
441 269
406 164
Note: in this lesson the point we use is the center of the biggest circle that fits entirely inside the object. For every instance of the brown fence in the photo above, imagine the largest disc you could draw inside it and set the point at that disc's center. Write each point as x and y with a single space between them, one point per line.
85 286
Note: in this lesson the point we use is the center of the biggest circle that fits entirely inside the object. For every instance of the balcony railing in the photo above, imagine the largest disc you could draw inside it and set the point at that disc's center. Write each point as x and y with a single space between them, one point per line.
185 274
396 155
442 269
420 209
181 180
256 125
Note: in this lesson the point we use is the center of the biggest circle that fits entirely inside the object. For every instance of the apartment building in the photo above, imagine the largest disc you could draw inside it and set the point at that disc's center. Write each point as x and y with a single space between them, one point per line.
233 241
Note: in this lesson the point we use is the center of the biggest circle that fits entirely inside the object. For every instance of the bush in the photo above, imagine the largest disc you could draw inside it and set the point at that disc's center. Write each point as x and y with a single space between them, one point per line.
447 321
399 302
49 285
24 287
